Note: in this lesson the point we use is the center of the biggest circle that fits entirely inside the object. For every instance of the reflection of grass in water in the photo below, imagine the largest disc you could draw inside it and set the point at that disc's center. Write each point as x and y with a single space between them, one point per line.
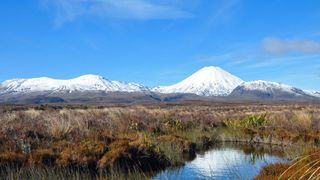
229 170
258 152
234 171
252 158
170 173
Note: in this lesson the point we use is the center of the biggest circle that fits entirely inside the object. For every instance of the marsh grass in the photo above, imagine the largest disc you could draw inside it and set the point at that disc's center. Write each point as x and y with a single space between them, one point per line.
45 173
149 137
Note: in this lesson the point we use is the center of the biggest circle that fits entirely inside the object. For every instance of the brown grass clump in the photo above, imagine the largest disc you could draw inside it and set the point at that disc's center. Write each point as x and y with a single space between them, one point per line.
86 153
106 136
12 159
117 149
186 146
91 148
272 172
67 158
43 157
303 120
125 155
305 167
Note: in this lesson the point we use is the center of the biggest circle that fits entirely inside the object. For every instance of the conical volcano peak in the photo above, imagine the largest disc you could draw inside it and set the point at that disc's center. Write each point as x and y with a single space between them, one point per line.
210 69
208 81
213 74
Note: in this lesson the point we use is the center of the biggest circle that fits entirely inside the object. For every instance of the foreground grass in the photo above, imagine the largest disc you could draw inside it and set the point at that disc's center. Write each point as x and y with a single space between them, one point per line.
306 166
62 173
115 142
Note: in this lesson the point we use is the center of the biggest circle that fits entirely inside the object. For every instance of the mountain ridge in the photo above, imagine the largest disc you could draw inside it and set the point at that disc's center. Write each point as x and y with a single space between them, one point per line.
206 83
267 89
88 82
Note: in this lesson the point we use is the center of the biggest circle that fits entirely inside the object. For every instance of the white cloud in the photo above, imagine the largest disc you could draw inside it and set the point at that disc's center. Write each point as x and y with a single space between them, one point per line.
276 46
69 10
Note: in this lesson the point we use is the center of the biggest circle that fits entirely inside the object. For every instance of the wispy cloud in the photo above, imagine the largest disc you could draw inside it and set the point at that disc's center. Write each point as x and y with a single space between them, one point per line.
225 10
69 10
220 12
276 46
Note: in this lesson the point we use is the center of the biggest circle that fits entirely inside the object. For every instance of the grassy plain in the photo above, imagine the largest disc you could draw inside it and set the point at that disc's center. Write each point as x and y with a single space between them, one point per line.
136 141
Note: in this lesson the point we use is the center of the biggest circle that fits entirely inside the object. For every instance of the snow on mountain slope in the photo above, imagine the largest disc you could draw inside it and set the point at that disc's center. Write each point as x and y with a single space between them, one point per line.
267 86
267 89
82 83
208 81
316 94
313 93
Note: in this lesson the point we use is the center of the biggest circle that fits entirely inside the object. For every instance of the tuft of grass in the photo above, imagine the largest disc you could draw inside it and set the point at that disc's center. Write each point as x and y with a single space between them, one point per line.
272 172
125 155
45 157
249 121
12 159
305 166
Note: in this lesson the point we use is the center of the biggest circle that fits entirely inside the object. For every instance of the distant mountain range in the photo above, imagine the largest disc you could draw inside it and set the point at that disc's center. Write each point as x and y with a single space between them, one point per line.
80 84
209 83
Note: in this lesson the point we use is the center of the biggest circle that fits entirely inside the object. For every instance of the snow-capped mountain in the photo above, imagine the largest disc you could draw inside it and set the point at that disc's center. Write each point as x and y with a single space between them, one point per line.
79 84
267 89
267 86
208 81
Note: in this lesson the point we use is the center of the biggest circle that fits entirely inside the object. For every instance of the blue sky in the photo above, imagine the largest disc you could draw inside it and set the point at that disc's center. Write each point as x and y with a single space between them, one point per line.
160 42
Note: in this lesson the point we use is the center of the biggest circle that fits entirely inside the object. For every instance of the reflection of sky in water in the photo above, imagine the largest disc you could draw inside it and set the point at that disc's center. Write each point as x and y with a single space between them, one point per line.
226 163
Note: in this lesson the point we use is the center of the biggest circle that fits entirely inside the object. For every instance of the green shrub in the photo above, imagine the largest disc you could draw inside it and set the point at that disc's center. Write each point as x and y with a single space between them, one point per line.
250 121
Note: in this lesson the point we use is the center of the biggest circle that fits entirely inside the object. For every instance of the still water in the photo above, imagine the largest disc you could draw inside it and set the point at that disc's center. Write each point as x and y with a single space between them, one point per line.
227 161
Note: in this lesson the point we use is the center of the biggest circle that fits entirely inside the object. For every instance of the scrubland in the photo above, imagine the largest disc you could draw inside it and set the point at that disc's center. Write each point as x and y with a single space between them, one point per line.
135 141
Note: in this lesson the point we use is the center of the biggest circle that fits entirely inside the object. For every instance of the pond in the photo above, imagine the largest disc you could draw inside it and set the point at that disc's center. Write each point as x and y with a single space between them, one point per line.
226 161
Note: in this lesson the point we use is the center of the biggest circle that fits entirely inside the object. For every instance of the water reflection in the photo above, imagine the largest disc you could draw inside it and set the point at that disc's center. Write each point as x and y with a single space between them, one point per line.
226 161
